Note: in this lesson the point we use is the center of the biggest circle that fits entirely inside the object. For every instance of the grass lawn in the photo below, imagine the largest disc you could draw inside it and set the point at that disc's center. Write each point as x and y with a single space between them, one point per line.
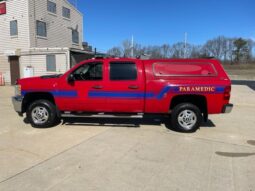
242 70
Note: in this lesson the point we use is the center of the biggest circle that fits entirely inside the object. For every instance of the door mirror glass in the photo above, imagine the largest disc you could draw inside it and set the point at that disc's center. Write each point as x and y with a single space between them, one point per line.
71 78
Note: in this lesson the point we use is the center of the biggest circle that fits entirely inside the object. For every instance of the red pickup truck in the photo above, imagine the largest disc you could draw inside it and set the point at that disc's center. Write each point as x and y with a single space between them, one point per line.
187 90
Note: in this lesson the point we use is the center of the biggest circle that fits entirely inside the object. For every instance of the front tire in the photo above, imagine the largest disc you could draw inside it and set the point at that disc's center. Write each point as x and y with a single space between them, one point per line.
186 117
42 114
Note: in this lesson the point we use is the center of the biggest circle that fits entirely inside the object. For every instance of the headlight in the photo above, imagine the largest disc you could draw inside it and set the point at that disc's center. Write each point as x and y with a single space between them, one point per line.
17 90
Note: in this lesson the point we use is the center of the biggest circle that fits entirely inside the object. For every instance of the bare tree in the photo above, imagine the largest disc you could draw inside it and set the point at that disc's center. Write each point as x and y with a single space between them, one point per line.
115 51
127 48
226 49
154 51
178 50
213 48
196 51
166 50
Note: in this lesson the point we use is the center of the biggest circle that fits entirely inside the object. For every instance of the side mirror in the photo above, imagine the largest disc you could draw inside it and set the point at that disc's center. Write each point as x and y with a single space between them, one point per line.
70 78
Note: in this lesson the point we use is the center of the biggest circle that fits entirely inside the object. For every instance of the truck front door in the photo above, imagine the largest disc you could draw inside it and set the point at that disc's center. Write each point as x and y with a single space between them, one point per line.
86 78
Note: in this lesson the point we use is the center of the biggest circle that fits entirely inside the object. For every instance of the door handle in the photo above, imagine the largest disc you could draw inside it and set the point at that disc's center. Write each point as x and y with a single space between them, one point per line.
97 87
133 87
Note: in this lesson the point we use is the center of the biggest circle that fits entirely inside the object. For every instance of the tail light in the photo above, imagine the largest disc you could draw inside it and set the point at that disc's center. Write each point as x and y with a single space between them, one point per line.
227 93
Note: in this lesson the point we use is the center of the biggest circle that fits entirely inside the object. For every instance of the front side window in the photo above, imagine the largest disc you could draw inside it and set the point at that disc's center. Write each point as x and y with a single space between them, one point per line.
51 63
123 71
66 12
89 72
75 36
52 7
14 28
41 29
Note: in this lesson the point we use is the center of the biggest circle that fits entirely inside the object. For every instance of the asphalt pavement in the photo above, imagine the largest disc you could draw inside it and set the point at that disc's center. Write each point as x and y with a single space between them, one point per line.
249 83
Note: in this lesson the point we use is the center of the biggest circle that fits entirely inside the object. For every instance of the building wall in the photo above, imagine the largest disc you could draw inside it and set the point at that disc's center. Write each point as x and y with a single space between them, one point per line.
5 67
16 10
59 33
38 63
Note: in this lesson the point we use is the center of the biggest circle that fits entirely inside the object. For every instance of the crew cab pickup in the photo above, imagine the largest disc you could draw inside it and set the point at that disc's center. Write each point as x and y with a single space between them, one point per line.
186 90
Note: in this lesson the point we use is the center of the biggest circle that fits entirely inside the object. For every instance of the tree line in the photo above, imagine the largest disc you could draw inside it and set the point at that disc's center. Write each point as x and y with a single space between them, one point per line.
229 50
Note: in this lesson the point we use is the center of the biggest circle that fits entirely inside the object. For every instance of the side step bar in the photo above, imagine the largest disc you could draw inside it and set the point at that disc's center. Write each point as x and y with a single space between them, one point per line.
102 115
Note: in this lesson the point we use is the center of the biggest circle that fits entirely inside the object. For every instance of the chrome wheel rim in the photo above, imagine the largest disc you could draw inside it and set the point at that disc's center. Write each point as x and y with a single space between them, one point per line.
187 119
40 115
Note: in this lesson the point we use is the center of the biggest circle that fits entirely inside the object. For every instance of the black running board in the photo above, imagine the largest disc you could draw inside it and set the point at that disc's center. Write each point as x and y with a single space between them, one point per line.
102 115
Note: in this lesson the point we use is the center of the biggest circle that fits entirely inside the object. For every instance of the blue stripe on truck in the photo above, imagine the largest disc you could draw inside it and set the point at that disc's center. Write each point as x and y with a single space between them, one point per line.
131 95
56 93
134 95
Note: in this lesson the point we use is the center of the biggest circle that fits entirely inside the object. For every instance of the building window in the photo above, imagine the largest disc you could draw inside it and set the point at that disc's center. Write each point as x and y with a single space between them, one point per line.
51 63
41 29
75 36
123 71
14 28
52 7
66 12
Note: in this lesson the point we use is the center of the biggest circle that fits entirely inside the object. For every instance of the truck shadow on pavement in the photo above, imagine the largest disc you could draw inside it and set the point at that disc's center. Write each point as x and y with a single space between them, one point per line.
237 155
128 123
106 122
251 142
234 155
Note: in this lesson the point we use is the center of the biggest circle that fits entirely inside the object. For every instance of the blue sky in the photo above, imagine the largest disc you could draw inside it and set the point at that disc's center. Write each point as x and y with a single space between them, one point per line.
107 23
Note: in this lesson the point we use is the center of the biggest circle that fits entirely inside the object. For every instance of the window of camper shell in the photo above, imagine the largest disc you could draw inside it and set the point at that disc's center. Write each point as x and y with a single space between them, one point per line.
184 69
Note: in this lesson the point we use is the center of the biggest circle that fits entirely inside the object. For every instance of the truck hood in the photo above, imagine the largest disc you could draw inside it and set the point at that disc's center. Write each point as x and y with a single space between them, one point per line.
41 82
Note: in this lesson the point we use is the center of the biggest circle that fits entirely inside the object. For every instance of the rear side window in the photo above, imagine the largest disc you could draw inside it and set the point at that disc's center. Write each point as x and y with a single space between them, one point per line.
123 71
184 69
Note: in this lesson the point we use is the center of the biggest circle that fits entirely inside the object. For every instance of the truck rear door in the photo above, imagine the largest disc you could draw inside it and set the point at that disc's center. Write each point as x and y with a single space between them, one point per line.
125 87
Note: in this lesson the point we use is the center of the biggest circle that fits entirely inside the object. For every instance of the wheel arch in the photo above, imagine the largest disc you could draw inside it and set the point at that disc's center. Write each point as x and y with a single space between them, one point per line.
198 100
33 96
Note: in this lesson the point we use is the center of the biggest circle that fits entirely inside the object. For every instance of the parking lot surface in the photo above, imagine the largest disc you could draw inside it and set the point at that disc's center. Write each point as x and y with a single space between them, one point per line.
109 154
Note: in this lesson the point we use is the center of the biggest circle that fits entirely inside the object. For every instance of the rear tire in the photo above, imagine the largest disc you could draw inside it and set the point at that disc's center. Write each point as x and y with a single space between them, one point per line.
186 117
42 114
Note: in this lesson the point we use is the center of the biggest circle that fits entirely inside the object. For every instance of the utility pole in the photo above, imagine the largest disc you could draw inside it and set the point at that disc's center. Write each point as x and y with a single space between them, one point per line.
132 47
185 44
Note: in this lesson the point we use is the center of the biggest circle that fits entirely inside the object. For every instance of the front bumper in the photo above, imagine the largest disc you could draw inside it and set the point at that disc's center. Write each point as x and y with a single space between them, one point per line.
227 108
17 104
